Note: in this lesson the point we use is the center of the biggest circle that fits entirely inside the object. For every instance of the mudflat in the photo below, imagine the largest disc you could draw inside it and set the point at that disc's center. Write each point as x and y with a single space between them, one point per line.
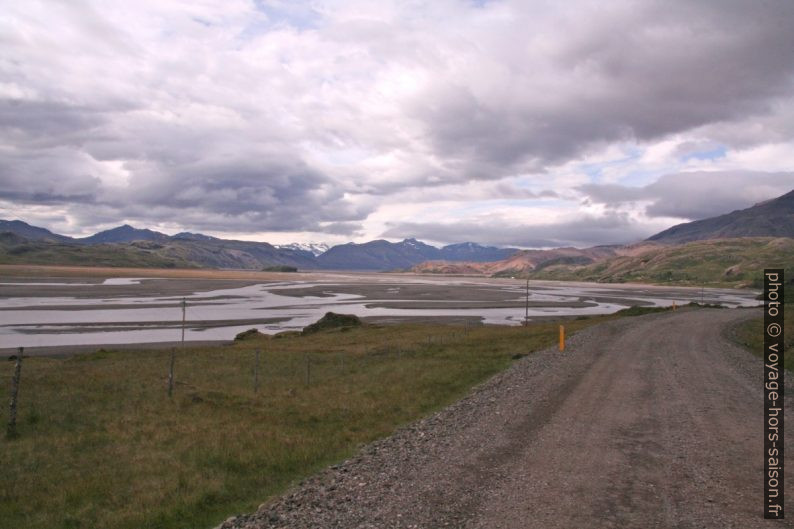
75 306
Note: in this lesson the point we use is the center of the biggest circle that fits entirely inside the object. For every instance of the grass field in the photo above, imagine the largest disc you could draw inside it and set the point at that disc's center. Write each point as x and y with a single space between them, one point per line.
101 445
751 335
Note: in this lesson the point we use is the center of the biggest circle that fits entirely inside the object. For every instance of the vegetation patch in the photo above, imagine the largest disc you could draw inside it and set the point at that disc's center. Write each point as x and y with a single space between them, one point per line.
332 320
640 311
250 334
280 268
750 334
101 445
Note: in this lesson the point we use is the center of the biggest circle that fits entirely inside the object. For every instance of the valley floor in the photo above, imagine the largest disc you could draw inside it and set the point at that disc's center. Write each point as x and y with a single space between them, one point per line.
642 422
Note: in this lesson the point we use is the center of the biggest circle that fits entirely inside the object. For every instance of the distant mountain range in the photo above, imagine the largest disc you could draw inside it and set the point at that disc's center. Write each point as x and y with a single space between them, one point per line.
385 255
174 252
33 233
129 246
728 249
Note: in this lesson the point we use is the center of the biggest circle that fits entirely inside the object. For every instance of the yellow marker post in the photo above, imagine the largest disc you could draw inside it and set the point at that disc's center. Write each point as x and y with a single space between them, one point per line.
562 338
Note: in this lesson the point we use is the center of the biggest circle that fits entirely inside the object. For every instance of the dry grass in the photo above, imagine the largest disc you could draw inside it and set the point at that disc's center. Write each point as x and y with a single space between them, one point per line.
101 445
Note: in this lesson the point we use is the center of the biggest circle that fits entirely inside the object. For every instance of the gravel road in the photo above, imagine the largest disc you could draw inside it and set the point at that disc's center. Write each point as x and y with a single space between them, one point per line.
652 421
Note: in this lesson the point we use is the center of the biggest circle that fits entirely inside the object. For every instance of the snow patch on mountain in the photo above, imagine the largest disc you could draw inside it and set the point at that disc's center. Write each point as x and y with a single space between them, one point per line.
316 248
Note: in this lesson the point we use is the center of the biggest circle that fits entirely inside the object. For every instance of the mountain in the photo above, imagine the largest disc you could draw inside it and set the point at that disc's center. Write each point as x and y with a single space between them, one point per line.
125 233
313 248
174 253
670 255
143 246
224 253
738 262
151 248
469 251
377 255
188 236
10 239
21 243
32 233
773 218
385 255
15 249
521 262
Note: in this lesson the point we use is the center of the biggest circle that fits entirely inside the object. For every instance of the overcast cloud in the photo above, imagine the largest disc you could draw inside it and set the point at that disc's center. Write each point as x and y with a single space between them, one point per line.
507 122
694 194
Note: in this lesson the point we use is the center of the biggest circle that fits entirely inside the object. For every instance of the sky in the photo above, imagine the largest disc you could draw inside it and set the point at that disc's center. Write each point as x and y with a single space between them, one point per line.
511 123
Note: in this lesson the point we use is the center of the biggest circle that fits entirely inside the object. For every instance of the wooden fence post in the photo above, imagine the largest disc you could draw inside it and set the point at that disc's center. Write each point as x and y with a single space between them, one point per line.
12 415
171 373
256 373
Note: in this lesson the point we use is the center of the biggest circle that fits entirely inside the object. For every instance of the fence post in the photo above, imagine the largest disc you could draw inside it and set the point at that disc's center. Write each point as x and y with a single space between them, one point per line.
171 373
256 373
12 415
562 338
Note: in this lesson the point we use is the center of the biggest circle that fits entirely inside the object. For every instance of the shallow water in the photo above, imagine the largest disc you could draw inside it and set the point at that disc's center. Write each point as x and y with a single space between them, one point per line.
67 320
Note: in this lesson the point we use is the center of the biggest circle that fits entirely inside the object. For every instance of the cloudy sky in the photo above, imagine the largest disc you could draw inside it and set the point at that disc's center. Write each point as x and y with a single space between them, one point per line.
526 123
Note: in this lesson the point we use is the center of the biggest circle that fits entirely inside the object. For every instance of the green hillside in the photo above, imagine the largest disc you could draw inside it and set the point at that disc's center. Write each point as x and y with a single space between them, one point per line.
719 261
172 253
14 250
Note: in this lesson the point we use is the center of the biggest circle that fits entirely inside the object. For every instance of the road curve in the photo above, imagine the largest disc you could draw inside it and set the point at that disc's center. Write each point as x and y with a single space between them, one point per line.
653 421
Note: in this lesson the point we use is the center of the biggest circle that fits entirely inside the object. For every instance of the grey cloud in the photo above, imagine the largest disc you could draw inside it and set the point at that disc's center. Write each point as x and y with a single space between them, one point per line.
342 228
49 176
631 71
279 193
46 123
216 130
695 195
248 195
586 231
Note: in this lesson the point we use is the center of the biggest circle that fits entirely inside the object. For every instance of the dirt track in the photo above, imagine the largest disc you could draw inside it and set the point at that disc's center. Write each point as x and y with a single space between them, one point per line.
645 422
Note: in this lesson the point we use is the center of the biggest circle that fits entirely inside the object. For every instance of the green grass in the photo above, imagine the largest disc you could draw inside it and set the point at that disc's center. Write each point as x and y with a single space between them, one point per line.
101 445
751 335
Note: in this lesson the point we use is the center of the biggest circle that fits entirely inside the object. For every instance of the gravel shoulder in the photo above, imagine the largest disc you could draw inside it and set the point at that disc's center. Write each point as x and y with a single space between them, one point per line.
652 421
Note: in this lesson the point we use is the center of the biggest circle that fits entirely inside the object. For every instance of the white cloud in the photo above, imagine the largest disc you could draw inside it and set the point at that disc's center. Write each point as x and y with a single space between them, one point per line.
345 119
